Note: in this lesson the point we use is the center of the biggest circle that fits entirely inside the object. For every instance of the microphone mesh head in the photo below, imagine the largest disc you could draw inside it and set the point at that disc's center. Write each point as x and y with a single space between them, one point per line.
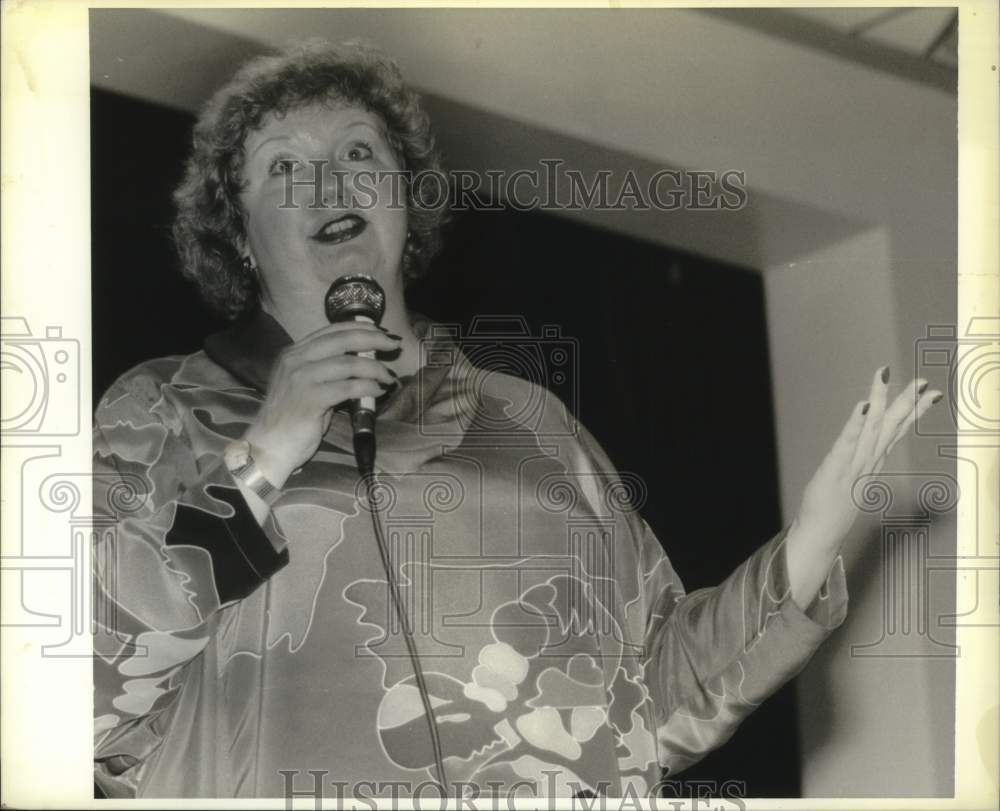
351 296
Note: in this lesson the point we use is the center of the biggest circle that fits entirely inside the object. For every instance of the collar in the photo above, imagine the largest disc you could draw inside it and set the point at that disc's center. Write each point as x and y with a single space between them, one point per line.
249 348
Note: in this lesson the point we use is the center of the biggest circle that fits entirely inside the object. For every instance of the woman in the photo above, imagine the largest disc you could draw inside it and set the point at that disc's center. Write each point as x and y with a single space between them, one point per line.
249 645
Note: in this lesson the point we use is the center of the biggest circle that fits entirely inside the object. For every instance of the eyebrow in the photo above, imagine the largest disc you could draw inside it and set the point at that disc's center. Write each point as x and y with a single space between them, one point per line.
359 123
268 140
377 130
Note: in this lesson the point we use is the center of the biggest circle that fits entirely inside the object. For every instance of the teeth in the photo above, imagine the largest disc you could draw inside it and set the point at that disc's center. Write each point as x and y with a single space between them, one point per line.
337 227
347 227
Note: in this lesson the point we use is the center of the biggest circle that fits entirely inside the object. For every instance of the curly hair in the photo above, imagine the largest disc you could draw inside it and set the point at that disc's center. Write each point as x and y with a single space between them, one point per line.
209 224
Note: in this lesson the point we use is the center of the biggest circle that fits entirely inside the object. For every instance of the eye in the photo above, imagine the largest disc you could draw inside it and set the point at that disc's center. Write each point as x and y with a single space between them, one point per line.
283 165
358 151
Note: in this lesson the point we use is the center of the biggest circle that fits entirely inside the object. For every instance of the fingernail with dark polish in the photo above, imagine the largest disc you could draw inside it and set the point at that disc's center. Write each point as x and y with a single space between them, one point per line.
394 336
935 399
922 388
885 375
392 372
379 326
864 410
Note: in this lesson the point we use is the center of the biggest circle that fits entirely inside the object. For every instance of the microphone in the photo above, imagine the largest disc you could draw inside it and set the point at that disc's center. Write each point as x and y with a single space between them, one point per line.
358 298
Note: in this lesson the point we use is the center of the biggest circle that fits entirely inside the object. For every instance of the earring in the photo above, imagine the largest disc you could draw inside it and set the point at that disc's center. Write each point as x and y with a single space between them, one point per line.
248 266
411 252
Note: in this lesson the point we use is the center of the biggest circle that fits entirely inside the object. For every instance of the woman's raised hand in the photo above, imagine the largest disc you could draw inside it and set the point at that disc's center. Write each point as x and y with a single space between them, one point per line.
309 379
828 510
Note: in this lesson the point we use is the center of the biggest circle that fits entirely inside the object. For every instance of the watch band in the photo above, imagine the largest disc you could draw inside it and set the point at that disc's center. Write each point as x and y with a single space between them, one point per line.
240 461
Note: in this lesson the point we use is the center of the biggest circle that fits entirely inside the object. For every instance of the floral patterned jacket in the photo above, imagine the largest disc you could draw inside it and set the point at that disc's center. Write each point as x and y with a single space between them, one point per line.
560 651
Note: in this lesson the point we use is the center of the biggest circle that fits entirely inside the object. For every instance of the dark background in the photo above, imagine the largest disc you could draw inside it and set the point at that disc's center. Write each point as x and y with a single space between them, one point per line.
673 377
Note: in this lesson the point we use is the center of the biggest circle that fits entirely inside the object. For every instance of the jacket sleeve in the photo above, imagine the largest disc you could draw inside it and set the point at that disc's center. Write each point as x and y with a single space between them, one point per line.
715 654
175 543
710 657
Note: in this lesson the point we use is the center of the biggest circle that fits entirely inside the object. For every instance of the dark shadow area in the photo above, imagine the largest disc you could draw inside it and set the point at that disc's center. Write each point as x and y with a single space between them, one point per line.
672 371
141 307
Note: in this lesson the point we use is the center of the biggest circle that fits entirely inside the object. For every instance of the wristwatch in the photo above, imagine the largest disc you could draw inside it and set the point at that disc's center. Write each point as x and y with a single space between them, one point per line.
239 459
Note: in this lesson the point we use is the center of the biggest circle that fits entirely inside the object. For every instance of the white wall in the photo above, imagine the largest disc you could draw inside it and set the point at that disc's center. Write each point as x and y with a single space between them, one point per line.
832 315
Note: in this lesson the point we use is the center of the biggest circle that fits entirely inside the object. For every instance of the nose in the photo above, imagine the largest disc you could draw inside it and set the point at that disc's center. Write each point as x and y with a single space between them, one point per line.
334 183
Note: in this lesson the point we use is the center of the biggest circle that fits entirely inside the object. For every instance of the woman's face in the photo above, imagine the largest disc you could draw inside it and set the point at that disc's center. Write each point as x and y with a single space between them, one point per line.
313 204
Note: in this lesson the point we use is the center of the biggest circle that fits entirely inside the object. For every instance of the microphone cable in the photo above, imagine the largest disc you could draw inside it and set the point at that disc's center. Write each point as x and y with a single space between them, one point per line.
360 297
368 476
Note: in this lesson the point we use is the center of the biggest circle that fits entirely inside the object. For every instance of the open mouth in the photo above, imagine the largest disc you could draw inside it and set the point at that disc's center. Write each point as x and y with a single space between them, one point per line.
341 229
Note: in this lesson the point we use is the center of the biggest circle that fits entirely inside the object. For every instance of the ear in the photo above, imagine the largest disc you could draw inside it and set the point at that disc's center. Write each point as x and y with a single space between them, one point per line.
243 249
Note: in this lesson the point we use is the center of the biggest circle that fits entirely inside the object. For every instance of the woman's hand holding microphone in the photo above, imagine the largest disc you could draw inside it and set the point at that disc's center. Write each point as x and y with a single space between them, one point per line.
310 378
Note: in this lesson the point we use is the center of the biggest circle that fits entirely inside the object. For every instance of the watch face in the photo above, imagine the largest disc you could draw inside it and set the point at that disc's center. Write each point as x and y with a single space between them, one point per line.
237 454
